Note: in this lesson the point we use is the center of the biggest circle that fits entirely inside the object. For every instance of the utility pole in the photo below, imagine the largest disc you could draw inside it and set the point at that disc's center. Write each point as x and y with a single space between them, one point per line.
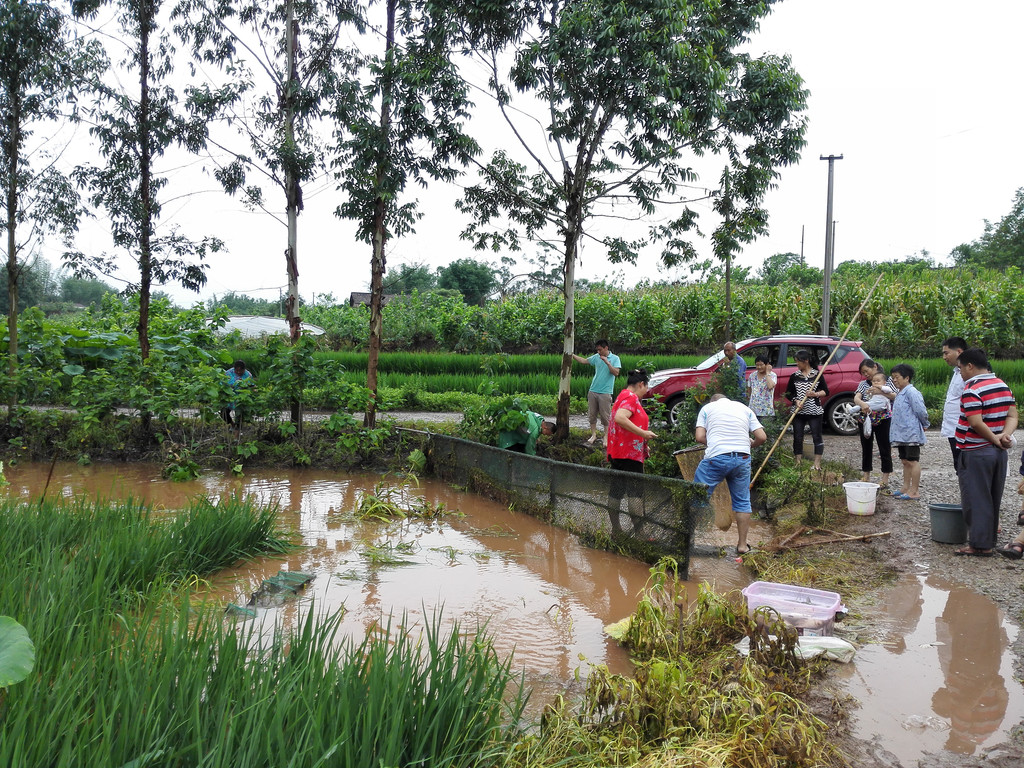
826 293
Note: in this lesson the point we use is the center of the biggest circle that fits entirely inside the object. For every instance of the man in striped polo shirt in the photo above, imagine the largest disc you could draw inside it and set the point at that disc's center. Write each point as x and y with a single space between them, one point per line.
988 417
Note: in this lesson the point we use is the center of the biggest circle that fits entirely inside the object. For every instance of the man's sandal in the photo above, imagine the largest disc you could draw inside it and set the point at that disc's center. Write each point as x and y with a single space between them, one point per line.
1013 550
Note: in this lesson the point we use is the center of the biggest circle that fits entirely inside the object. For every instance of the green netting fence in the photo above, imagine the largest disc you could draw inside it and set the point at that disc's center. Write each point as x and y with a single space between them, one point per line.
645 516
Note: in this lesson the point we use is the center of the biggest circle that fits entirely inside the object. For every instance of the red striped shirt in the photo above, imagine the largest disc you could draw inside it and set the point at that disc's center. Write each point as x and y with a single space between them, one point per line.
989 396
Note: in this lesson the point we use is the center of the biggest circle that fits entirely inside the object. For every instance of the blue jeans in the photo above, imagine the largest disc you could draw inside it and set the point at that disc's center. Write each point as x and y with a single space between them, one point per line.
736 470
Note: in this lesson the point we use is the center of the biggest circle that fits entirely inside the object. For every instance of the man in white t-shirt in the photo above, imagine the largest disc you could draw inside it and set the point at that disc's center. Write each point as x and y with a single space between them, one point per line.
951 349
725 427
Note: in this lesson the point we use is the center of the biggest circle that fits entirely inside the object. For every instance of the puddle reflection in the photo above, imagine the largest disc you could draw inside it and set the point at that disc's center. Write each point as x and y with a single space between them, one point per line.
942 677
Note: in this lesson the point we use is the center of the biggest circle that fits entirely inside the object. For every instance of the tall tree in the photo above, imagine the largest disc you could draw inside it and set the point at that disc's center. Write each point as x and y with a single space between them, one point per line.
474 279
782 268
40 70
407 278
134 129
405 125
285 66
632 93
1001 245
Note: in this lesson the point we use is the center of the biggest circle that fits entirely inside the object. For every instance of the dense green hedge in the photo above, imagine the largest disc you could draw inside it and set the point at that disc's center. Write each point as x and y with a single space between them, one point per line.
907 316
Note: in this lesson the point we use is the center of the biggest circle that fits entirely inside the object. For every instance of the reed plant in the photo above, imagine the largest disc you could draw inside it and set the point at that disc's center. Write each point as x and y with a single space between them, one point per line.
693 700
132 672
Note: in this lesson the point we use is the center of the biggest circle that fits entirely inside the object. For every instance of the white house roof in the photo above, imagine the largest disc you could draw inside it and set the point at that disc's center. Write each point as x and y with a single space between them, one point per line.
254 326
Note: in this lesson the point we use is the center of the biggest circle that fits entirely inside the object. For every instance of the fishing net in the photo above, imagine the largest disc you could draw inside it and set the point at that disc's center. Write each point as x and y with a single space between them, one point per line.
646 516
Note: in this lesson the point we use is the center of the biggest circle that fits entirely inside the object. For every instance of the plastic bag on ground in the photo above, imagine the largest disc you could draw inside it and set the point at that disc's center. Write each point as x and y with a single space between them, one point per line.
834 648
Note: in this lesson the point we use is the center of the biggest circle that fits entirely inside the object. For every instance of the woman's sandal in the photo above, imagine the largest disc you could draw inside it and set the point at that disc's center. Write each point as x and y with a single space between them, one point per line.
1013 550
972 552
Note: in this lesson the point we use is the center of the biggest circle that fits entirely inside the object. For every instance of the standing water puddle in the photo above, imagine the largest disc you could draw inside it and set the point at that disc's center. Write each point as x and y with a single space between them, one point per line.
541 594
942 677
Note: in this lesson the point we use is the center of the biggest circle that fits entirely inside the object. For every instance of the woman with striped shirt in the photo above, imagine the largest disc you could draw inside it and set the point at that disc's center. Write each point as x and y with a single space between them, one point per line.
807 403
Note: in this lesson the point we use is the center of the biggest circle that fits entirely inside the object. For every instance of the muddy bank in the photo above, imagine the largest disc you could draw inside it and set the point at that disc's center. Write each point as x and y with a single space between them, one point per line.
909 549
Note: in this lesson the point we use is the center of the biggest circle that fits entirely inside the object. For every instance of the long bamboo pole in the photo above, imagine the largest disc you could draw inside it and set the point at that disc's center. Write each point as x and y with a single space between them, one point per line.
814 384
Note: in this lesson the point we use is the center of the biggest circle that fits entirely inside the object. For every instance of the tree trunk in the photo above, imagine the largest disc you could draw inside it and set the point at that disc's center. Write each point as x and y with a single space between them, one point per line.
146 13
293 196
12 153
145 174
569 330
728 297
378 263
377 267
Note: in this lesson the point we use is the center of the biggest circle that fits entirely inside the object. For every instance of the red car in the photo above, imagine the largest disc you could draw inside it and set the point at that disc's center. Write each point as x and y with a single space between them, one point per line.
842 375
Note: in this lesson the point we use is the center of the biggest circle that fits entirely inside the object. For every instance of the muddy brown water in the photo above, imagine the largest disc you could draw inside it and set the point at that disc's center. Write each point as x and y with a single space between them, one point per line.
933 673
542 595
940 678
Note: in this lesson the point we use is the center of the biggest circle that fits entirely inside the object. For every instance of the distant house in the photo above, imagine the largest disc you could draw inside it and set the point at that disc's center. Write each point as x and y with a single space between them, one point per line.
253 327
363 299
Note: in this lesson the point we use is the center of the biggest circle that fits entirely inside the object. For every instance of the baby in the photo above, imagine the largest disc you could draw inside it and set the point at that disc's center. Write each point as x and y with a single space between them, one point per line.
879 402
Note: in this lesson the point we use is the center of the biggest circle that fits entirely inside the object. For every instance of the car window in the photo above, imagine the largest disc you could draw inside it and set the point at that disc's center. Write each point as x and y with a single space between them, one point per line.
710 362
842 352
818 353
771 351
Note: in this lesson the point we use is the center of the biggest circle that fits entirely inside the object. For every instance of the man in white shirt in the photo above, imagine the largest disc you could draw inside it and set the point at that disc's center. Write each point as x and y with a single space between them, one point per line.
951 349
725 427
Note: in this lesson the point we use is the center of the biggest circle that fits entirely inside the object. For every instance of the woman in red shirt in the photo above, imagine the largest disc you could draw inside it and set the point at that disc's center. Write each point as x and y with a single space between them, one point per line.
627 448
628 433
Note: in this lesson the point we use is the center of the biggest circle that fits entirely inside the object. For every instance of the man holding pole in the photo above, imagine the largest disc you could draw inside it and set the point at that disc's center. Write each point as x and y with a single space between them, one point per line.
725 427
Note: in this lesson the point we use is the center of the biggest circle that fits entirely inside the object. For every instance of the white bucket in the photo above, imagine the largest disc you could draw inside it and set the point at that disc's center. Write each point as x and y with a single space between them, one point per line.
860 498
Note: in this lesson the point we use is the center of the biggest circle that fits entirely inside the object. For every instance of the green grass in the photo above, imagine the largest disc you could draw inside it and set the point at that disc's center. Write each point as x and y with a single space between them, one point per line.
130 672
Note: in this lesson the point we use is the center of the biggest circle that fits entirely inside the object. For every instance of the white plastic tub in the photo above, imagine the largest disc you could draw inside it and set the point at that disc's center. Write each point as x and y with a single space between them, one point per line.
811 612
860 498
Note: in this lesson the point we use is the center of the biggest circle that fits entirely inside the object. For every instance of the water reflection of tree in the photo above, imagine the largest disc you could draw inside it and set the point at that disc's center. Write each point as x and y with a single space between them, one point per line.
975 696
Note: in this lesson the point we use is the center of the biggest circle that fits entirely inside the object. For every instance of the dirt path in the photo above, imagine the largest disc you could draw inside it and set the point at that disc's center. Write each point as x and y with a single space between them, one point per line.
910 549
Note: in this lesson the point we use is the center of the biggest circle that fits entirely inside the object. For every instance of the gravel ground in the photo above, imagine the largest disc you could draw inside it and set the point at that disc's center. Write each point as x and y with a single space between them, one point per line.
911 549
996 577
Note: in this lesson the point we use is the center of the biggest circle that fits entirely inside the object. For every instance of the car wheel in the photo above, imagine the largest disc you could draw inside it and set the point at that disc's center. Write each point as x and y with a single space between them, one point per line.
842 416
673 410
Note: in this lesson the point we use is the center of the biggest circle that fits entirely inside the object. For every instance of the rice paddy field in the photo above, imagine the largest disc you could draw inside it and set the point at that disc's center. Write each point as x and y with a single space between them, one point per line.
440 381
131 672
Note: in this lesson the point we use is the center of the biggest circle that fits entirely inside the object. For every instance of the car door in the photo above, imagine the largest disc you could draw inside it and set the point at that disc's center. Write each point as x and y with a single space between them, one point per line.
833 376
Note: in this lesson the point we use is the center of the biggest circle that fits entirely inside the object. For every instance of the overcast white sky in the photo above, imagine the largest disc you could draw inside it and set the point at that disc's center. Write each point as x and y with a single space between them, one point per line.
920 97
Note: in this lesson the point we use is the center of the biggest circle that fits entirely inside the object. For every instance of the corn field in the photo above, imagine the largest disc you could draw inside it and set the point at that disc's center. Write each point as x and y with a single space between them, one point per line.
907 316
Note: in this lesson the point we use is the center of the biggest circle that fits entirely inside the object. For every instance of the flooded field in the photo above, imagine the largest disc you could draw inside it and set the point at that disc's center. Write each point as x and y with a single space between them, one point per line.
542 595
939 679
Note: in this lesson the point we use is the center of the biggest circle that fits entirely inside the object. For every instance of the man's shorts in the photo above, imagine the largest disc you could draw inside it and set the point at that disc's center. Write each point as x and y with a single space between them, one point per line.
599 404
733 468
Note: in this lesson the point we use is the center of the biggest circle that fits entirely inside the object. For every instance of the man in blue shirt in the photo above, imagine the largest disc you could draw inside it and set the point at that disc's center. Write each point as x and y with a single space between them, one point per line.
599 398
737 361
238 376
